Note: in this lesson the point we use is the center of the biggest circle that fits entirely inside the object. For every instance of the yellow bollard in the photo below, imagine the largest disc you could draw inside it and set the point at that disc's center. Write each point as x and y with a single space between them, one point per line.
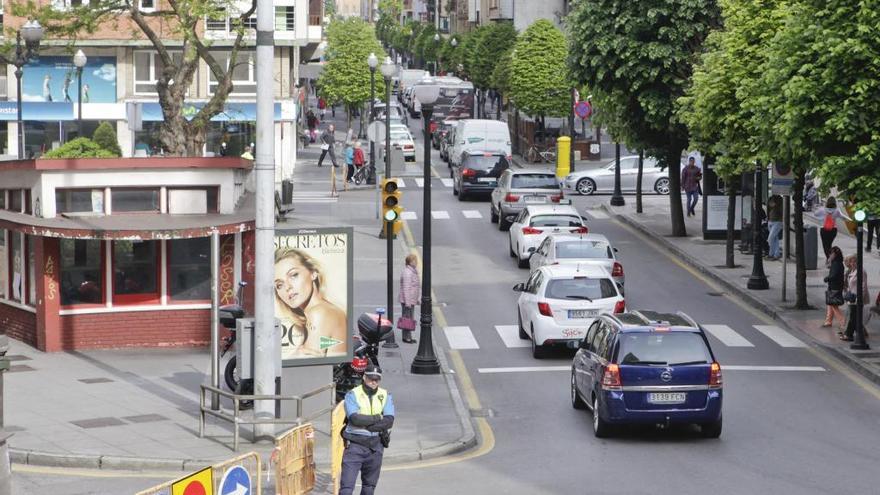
563 153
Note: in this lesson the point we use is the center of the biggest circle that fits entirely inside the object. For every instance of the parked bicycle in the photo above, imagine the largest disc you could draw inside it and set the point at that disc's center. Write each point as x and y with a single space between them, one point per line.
540 154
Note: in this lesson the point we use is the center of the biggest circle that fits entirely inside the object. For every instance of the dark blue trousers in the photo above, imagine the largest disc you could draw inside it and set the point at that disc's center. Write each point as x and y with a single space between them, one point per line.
359 459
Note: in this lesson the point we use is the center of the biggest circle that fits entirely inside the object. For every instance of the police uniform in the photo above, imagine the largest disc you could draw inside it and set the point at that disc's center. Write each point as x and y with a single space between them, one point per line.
370 416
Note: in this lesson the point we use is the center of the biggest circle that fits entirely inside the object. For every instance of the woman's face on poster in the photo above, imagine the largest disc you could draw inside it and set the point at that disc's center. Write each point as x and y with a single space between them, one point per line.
293 282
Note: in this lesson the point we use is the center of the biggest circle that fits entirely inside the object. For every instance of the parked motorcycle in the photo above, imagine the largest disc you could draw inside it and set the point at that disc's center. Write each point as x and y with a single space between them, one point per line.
228 315
372 330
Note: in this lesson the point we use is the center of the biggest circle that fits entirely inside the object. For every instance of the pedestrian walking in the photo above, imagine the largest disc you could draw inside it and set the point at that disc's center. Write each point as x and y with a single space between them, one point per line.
834 292
357 159
690 184
322 107
349 162
774 223
850 296
328 143
873 227
369 416
410 288
829 216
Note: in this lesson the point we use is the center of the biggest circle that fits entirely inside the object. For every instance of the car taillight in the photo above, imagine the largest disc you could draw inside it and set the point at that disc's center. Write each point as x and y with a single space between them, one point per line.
556 197
511 198
468 172
531 231
620 306
544 309
617 271
715 376
359 364
581 230
611 378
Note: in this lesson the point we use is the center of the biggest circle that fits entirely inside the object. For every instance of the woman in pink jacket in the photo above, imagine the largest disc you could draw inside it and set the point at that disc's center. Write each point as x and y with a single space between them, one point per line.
410 289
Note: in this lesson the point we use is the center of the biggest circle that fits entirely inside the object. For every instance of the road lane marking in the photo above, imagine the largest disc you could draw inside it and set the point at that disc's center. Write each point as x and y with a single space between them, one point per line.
472 214
440 215
461 338
446 182
779 336
400 183
727 336
409 215
523 369
420 182
510 335
724 367
597 214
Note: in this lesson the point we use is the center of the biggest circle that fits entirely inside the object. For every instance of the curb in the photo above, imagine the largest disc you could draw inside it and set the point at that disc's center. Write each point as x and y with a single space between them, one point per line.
840 354
103 462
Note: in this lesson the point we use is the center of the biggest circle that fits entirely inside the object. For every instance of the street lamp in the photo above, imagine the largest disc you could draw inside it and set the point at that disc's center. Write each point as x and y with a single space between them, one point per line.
855 320
387 70
758 280
425 362
617 197
79 60
373 62
32 33
436 54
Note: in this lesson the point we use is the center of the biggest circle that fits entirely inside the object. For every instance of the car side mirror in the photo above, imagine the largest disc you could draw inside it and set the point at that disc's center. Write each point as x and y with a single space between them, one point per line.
585 344
519 287
615 249
532 250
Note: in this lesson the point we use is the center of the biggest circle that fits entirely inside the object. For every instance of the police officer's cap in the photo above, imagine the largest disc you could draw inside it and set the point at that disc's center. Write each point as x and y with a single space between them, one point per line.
373 371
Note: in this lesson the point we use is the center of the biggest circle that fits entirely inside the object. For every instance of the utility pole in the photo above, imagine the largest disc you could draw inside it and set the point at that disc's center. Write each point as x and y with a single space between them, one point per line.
264 171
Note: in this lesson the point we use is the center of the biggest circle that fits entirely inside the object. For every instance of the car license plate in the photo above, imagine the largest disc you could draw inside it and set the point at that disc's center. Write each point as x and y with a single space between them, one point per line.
667 397
582 313
489 180
535 199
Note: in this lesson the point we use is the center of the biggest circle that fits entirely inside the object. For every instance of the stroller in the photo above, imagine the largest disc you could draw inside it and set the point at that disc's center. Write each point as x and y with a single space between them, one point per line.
361 174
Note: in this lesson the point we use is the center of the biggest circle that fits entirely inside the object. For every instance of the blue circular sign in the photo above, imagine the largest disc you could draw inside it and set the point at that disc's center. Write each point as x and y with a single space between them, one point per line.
583 109
236 481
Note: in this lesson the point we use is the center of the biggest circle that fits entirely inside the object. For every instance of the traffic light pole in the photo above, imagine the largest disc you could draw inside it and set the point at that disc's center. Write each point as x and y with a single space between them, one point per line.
389 253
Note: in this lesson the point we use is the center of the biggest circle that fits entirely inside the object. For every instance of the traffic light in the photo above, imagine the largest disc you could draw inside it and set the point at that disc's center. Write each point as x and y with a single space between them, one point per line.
391 209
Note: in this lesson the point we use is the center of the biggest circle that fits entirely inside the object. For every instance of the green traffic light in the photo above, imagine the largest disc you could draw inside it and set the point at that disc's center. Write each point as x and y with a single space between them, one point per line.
390 215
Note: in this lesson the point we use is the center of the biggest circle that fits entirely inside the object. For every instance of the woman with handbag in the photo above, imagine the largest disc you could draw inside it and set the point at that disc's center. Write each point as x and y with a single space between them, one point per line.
834 293
410 292
852 284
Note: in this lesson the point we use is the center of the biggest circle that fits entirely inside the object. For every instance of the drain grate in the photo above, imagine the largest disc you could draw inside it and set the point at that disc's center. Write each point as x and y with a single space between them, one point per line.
716 294
90 381
482 413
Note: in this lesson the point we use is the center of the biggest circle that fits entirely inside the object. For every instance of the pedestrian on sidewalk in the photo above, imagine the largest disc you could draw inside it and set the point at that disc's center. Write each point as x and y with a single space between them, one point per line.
852 285
774 224
358 159
322 107
828 216
410 289
328 143
873 226
369 416
690 184
349 162
834 292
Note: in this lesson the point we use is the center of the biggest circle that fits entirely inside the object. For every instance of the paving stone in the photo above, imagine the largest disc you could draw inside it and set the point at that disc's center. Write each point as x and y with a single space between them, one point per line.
98 422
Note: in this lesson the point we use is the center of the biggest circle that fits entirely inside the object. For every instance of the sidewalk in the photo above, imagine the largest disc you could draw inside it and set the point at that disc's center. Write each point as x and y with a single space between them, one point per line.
138 409
709 258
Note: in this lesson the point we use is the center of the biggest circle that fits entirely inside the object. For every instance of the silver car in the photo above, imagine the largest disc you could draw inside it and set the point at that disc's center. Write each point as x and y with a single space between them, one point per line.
585 249
601 179
517 189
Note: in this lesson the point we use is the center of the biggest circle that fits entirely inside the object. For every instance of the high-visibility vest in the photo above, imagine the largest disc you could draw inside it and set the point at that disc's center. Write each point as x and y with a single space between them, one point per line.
368 405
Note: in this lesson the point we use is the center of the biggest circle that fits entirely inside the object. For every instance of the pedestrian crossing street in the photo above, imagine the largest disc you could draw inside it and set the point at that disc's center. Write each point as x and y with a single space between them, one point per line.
463 338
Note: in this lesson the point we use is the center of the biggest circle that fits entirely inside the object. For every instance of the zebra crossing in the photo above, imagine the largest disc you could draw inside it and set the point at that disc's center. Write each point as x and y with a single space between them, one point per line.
463 338
470 214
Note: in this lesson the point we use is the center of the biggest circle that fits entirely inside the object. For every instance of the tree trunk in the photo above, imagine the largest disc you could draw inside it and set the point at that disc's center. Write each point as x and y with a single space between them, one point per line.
349 112
800 256
498 109
639 182
673 162
729 260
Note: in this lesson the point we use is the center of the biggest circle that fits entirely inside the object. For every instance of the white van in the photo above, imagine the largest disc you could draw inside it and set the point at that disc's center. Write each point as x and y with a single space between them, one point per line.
408 77
479 135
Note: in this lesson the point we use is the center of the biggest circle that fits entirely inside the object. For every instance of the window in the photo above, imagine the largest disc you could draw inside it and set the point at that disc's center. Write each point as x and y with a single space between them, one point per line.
243 78
192 200
217 22
2 199
534 181
583 249
82 280
31 271
135 274
284 18
189 269
3 259
14 200
16 266
580 289
135 200
147 5
664 349
148 67
556 221
79 201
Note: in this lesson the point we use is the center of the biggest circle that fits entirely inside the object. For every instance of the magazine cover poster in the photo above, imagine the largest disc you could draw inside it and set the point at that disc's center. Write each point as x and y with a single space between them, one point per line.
313 294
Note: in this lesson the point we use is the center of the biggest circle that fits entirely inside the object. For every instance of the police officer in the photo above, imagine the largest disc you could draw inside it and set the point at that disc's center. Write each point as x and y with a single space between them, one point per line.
369 412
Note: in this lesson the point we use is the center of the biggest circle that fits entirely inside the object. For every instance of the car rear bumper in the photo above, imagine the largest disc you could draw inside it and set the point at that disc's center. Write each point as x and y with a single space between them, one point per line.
613 410
550 333
469 187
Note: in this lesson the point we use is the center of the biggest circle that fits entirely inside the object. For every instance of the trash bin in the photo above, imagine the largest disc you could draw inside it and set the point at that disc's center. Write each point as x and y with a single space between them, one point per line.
286 192
811 247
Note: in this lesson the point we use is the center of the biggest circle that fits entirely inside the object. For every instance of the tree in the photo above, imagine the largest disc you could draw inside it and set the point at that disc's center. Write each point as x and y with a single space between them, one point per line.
346 75
467 48
640 55
425 46
105 136
538 83
80 148
495 40
387 25
178 21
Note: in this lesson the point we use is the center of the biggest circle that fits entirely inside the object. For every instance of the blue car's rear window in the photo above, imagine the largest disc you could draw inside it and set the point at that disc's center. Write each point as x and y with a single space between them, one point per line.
663 348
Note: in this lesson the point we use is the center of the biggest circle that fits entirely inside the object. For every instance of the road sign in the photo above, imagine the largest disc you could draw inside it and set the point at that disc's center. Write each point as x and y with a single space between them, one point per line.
782 179
376 131
583 109
236 481
198 483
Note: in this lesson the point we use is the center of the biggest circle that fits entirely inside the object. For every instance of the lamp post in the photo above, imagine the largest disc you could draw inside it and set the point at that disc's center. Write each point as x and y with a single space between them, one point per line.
436 51
32 33
758 280
387 70
373 62
856 316
425 362
79 60
617 197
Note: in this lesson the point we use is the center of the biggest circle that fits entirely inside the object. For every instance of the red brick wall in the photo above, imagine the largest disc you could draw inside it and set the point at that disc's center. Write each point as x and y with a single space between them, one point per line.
18 324
136 329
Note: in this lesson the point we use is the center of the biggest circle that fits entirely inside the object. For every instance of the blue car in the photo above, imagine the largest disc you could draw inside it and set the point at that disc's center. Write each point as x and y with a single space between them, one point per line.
646 367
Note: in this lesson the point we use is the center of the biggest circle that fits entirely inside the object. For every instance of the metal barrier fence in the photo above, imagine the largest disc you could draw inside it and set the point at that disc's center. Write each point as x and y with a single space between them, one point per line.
295 464
237 420
250 462
337 445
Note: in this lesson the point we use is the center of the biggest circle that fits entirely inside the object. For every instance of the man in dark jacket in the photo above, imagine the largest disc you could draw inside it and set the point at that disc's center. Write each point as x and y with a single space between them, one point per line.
369 411
328 140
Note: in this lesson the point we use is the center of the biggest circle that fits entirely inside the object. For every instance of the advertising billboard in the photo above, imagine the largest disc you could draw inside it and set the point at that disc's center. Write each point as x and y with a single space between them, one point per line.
53 79
313 288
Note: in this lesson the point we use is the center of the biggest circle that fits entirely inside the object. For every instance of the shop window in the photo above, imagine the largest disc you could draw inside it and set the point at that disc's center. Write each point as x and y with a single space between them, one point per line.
82 279
135 274
189 269
79 201
41 137
3 271
135 200
15 201
16 266
31 271
243 78
235 134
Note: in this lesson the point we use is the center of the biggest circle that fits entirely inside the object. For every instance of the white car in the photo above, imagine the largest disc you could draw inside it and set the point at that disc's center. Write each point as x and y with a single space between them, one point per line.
559 302
601 179
402 140
590 249
536 222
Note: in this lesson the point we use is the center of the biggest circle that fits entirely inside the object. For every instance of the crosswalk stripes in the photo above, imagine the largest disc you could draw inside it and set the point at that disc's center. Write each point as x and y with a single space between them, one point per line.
409 215
597 214
460 338
472 214
400 183
727 336
313 197
420 182
510 335
446 182
440 215
779 336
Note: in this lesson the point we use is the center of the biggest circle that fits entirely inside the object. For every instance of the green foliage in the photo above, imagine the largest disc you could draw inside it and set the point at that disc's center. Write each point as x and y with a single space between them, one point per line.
387 25
80 148
467 48
346 75
425 46
497 39
538 83
105 136
453 56
501 74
